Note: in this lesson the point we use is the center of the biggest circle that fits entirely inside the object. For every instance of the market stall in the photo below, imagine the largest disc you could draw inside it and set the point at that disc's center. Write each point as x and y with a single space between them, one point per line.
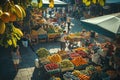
88 62
109 25
73 65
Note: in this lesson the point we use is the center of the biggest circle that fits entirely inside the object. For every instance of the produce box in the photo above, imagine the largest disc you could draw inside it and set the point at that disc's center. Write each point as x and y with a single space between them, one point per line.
64 56
77 61
81 67
67 69
66 65
73 55
52 68
51 35
44 60
70 76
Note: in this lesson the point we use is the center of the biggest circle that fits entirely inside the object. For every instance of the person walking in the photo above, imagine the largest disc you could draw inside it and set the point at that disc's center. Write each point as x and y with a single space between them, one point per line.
63 40
16 57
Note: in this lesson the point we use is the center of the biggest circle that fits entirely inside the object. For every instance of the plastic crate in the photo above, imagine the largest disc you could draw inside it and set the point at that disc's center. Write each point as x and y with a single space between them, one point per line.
54 71
42 36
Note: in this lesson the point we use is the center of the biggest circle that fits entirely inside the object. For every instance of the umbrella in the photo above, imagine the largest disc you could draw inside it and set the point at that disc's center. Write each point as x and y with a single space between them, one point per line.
108 25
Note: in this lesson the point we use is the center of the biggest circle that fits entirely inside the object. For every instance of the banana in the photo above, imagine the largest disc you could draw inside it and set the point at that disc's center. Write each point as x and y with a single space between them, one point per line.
17 31
40 3
23 11
1 12
14 41
51 3
18 12
9 41
2 27
16 36
84 1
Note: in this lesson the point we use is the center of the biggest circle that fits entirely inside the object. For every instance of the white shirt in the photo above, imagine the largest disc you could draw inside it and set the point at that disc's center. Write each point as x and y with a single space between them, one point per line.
63 38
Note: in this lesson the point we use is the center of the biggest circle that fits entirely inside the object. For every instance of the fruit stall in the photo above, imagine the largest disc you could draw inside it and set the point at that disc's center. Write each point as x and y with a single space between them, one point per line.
71 65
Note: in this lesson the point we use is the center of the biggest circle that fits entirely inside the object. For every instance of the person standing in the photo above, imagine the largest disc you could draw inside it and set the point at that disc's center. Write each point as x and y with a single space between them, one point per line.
16 57
68 23
63 40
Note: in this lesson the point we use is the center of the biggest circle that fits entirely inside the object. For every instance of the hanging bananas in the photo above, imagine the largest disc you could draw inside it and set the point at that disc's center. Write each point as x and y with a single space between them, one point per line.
1 12
9 42
101 2
40 3
14 41
11 37
9 34
51 3
17 31
94 1
2 27
16 12
88 2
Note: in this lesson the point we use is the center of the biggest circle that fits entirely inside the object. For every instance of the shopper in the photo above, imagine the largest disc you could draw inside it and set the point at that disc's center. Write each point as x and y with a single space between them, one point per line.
63 40
68 23
16 57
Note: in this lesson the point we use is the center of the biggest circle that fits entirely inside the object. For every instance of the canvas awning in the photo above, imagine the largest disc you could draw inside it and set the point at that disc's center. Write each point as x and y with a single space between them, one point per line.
108 24
57 3
112 1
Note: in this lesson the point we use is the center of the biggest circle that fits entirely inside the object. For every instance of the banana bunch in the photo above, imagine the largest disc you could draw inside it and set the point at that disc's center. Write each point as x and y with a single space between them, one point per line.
2 27
15 35
1 12
17 31
16 12
88 2
11 36
101 2
51 5
20 12
40 3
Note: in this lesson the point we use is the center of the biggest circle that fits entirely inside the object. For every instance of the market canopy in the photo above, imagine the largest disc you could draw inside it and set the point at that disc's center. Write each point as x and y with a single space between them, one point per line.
112 1
108 25
57 3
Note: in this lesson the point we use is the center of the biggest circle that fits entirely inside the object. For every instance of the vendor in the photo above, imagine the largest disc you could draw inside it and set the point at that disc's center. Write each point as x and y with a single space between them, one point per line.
63 40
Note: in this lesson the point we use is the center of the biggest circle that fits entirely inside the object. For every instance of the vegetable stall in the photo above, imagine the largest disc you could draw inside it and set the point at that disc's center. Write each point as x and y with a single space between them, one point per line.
75 65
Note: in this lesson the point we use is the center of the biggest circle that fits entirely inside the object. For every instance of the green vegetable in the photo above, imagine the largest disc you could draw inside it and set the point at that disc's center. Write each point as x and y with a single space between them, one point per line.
42 52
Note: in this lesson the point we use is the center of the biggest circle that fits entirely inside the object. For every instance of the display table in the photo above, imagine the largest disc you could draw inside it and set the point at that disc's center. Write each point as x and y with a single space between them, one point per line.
53 36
